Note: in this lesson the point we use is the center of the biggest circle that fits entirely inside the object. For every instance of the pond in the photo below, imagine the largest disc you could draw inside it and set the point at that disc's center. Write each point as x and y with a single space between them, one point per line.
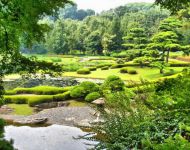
54 137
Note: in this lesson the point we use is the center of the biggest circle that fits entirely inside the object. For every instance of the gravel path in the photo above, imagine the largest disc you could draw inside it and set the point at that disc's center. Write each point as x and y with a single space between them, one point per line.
72 116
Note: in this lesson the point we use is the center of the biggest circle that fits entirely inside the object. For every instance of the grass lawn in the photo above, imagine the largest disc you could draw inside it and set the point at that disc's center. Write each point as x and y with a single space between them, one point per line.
21 109
143 73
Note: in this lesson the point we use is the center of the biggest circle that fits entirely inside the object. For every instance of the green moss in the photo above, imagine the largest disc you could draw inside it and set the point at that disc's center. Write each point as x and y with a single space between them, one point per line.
21 109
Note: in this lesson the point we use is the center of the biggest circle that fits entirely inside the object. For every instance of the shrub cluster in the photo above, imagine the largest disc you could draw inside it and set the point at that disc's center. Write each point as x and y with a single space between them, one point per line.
92 96
124 70
62 97
132 72
39 90
84 89
83 71
105 68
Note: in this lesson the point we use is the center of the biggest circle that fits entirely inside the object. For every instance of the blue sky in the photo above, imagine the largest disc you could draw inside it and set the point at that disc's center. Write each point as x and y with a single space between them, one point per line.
100 5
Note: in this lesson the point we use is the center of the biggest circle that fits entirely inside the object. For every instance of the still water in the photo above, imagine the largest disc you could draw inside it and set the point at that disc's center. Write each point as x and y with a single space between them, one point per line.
54 137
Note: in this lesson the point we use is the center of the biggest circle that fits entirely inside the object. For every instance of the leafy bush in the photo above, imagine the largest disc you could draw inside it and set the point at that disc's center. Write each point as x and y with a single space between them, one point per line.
56 60
169 73
92 68
38 99
16 99
112 83
10 92
132 72
78 92
117 66
105 68
62 97
104 65
83 71
92 96
124 70
83 89
40 90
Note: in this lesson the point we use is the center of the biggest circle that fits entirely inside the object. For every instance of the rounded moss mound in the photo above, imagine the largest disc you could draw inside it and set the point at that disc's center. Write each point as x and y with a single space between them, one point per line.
132 72
105 68
84 89
124 70
92 68
92 96
83 71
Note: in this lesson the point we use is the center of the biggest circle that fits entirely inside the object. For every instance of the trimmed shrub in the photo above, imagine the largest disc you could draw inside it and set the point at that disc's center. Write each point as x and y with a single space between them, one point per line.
117 66
62 97
78 92
83 71
105 68
56 60
169 73
10 92
38 99
92 96
132 72
124 70
16 99
92 68
83 89
104 65
42 90
113 83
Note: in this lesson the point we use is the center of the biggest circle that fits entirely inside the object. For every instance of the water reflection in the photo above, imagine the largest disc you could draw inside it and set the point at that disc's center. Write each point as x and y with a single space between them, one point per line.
55 137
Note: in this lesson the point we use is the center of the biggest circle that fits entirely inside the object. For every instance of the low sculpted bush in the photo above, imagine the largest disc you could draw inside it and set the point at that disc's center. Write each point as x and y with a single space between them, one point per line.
92 68
112 83
104 65
169 73
132 72
105 68
38 99
83 89
92 96
39 90
124 70
16 99
62 97
77 92
83 71
117 66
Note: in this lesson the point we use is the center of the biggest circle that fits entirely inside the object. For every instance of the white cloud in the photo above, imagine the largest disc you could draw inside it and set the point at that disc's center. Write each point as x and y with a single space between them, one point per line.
99 5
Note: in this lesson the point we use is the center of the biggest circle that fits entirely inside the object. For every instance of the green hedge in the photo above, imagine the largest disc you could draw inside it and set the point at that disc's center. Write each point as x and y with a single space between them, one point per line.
132 72
39 90
62 97
92 96
117 66
84 89
105 68
92 68
124 70
83 71
103 65
38 99
16 99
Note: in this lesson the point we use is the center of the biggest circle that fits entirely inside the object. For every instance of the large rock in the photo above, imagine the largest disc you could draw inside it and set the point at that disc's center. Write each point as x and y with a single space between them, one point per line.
32 121
51 105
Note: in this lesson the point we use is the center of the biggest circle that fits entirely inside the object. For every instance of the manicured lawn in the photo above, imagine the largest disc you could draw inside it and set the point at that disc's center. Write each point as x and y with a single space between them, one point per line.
21 109
144 73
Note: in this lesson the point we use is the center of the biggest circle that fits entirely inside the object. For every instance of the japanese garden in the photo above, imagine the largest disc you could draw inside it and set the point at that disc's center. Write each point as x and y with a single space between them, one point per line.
78 78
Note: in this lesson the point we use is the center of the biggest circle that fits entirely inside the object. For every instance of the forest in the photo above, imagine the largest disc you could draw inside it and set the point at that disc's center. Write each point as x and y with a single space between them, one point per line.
73 78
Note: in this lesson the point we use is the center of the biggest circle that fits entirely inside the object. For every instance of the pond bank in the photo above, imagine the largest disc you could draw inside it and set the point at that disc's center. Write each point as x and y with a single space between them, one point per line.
71 116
